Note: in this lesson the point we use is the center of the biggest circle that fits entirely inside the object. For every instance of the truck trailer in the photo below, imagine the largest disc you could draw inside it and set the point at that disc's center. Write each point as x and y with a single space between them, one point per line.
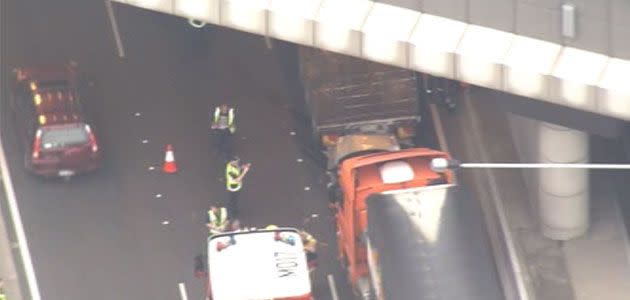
429 243
346 96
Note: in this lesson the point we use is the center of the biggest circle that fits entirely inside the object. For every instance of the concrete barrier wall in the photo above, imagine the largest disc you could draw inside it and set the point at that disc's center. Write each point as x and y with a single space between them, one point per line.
525 134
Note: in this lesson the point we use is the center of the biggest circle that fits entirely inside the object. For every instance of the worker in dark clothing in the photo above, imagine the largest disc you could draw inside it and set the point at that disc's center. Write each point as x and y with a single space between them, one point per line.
222 122
223 119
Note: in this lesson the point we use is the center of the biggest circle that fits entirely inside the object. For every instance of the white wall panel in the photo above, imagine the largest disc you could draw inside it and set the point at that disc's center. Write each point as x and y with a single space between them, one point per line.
202 10
433 44
385 32
292 20
339 24
165 6
245 15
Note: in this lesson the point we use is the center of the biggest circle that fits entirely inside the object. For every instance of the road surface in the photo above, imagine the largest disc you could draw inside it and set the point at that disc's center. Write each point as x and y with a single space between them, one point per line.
128 232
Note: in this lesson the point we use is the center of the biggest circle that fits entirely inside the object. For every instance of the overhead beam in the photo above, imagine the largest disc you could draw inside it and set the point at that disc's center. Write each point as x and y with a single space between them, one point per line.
435 45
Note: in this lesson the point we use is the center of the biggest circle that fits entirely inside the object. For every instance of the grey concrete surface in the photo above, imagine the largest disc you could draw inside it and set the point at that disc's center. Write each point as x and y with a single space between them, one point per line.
543 258
562 115
496 141
9 274
598 262
101 236
604 252
601 26
596 265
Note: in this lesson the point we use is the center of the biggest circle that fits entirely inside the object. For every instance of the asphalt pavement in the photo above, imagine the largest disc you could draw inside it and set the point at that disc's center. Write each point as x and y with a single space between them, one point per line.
129 231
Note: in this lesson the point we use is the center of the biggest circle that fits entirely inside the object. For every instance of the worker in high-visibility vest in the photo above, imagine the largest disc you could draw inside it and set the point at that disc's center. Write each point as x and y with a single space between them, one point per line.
223 118
234 173
217 220
3 296
222 122
310 248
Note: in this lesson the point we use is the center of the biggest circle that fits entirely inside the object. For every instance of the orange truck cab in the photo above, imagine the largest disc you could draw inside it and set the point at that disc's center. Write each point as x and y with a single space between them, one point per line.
358 177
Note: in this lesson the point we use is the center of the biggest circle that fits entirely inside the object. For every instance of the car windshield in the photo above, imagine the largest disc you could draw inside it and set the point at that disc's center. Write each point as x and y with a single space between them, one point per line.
59 137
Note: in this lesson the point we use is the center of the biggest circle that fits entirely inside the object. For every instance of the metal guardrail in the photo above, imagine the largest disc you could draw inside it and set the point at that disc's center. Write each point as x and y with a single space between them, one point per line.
515 282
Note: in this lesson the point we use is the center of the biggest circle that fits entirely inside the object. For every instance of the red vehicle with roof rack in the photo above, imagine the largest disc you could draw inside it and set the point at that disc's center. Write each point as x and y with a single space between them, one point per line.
57 138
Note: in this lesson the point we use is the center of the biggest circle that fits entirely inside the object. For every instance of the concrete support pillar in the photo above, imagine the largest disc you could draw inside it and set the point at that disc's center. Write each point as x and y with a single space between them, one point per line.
563 193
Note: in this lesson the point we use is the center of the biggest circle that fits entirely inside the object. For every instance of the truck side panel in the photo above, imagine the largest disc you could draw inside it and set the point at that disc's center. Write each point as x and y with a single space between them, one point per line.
342 90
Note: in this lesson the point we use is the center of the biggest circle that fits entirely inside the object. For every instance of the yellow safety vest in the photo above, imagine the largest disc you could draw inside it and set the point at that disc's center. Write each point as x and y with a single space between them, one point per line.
230 116
232 172
310 243
217 220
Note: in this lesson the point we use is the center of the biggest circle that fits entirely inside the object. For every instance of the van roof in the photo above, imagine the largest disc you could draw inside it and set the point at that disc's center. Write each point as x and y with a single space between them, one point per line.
257 266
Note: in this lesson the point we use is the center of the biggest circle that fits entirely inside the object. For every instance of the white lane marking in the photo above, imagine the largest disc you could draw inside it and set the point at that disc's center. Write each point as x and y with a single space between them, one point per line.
484 165
158 195
137 114
151 168
145 141
112 21
166 222
333 287
14 211
292 133
307 188
299 160
314 215
182 291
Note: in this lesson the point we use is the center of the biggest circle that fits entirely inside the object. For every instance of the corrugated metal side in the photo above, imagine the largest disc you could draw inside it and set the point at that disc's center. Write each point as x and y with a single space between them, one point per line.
342 89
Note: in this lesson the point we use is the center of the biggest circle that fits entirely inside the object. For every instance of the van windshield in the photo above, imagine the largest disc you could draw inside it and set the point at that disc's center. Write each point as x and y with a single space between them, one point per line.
65 136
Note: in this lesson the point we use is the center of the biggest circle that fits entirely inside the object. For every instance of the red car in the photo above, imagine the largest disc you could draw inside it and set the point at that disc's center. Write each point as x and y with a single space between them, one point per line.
50 120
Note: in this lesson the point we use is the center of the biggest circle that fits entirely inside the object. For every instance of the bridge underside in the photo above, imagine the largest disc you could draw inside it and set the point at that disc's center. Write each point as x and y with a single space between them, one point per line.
427 43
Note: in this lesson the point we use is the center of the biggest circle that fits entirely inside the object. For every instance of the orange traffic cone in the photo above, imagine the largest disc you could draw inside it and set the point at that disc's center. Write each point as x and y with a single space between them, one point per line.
169 160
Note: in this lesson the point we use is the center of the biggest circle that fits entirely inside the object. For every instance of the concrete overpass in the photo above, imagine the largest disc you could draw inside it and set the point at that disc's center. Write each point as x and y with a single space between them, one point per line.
571 54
